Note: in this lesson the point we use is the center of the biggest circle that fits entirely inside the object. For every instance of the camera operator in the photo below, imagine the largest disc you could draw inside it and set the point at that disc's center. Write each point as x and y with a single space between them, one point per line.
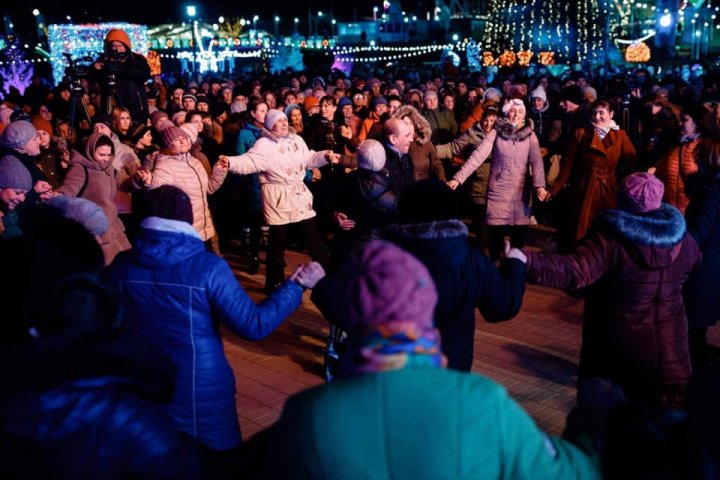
128 70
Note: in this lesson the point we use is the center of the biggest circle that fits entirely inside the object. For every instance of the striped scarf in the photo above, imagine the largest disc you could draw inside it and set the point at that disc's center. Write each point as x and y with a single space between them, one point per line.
394 346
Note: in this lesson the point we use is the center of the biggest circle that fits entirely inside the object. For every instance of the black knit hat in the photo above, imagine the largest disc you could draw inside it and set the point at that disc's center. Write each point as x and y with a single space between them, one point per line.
167 202
137 131
572 93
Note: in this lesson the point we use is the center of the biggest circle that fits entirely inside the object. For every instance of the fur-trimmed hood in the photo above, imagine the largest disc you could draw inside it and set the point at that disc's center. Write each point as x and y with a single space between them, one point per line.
654 238
426 231
508 132
442 246
423 131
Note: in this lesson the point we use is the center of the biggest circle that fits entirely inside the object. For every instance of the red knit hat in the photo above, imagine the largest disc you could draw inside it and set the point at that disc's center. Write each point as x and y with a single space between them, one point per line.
117 35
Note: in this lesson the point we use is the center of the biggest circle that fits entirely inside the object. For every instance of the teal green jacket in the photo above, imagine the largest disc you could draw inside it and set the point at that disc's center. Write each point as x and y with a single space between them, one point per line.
11 225
416 424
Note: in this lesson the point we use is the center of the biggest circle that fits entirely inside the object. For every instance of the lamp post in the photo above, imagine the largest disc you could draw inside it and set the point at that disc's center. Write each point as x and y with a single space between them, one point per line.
191 12
277 21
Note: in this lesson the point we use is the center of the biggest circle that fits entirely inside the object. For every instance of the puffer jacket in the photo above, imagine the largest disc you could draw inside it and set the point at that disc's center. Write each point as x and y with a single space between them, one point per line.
463 146
281 163
673 169
465 279
634 328
188 174
515 157
100 187
177 294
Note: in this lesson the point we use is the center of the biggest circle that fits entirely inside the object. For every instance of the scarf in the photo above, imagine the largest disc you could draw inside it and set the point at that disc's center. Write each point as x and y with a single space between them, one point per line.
602 132
689 137
393 346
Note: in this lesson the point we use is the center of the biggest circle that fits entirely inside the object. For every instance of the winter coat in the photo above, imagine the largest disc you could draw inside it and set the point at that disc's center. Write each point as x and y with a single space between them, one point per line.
188 174
426 163
541 122
90 408
419 423
47 162
368 198
129 90
281 163
400 168
634 327
126 164
591 168
465 279
93 181
463 146
442 123
673 169
515 160
702 302
177 294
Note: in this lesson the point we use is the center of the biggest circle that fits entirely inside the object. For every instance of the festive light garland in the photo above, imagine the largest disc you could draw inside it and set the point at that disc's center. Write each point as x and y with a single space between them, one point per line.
87 41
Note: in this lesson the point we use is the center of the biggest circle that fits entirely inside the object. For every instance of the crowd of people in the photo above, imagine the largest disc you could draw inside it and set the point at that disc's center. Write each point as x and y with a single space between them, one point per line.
413 196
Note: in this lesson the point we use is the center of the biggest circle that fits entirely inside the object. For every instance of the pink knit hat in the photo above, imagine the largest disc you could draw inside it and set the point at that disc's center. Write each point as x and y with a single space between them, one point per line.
381 284
170 134
640 192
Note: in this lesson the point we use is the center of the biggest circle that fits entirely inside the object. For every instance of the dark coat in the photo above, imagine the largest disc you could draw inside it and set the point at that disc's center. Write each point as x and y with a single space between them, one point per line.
591 169
702 302
634 329
465 279
177 294
399 167
130 77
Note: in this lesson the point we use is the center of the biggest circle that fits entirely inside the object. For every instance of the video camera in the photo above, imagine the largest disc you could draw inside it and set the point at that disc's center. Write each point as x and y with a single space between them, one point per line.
113 61
78 68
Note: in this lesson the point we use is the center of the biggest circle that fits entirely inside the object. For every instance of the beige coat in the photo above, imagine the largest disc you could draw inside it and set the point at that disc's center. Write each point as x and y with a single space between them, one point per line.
281 163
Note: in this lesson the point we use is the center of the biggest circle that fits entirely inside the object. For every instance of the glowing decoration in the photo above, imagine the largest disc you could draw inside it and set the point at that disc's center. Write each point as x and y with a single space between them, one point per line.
546 58
488 60
524 57
398 53
87 41
169 43
637 52
666 20
15 72
303 44
507 59
153 61
472 54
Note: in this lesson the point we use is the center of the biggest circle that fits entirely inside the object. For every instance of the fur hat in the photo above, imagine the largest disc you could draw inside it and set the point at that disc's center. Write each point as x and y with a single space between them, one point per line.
310 102
640 192
156 116
172 133
13 174
191 131
17 134
118 35
573 94
382 284
427 201
168 202
539 93
85 212
371 155
272 116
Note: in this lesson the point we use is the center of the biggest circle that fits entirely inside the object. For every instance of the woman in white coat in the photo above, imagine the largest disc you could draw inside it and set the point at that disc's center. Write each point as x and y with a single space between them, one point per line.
281 157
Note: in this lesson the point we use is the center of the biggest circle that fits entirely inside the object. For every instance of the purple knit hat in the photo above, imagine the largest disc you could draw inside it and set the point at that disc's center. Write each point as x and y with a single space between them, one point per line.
381 284
170 134
640 192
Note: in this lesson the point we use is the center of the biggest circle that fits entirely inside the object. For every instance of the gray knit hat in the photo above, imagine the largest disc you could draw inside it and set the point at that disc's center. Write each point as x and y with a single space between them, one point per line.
371 155
272 116
17 134
85 212
13 174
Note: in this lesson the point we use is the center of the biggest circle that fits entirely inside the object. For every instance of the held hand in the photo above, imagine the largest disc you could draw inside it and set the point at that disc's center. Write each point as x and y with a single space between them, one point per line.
308 275
343 221
145 176
332 157
652 170
346 132
316 175
454 184
542 194
41 186
223 163
512 252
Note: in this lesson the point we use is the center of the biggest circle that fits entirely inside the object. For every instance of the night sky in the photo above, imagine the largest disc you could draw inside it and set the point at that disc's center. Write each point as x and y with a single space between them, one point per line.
163 11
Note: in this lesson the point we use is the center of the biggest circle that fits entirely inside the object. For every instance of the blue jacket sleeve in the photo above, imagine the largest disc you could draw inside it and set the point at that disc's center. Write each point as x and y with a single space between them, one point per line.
239 313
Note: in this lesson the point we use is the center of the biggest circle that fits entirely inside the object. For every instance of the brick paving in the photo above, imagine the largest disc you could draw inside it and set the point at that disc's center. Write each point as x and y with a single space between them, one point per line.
534 356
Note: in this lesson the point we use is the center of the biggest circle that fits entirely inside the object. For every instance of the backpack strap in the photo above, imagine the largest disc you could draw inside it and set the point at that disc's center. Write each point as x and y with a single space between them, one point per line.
85 183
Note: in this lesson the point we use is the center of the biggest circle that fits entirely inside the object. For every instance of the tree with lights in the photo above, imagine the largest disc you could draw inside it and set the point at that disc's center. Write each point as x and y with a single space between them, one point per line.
575 31
16 72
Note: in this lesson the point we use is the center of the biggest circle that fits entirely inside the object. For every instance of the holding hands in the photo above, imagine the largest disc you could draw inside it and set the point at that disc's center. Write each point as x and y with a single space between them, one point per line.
308 275
332 157
542 194
223 163
145 176
454 184
512 252
343 221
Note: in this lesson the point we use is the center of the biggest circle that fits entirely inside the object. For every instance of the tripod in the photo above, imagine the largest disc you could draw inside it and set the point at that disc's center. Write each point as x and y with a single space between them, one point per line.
77 97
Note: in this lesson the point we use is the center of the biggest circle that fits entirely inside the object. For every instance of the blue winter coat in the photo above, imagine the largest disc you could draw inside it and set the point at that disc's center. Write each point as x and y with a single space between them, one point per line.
177 294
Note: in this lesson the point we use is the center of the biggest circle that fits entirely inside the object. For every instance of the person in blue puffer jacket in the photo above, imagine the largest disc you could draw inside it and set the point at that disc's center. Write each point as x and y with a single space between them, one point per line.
177 294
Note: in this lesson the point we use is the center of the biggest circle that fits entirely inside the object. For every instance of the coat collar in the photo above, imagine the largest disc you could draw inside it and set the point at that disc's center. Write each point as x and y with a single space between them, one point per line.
508 132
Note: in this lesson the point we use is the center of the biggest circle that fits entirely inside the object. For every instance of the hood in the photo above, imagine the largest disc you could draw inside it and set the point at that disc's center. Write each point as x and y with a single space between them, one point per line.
90 146
653 239
264 132
163 242
78 158
509 132
423 131
441 246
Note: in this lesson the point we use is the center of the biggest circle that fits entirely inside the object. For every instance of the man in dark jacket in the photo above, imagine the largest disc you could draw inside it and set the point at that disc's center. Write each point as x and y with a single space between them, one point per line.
465 277
397 138
129 71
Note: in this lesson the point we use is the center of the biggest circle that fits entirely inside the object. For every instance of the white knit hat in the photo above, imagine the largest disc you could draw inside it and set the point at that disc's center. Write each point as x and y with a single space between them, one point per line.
371 155
191 130
272 116
539 93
